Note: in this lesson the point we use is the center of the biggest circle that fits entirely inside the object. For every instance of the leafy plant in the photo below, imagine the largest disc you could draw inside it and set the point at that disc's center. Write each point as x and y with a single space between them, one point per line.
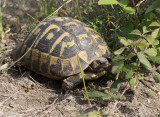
2 31
48 7
108 93
140 50
140 54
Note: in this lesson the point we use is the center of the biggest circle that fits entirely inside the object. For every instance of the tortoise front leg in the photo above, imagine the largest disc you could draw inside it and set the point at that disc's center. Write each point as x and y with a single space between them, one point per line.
73 81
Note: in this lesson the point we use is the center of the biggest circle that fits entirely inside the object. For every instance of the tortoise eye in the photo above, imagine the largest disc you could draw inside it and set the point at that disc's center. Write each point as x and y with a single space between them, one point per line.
99 62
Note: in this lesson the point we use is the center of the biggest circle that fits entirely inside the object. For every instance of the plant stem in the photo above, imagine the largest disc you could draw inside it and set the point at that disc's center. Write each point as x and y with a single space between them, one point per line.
78 9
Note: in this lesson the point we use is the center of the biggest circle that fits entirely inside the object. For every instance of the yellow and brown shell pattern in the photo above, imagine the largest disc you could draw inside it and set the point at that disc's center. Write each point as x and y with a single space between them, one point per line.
59 41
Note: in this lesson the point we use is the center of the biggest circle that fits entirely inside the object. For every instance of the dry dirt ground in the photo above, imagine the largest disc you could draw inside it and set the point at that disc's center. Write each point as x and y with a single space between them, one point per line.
24 94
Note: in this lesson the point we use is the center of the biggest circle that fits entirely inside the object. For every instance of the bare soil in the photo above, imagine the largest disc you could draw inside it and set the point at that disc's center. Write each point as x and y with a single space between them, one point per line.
26 94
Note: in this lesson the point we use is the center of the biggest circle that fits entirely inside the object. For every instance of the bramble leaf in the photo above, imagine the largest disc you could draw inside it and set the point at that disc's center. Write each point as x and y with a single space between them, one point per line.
155 59
151 52
146 30
115 86
144 61
117 67
107 2
156 76
135 32
124 41
155 33
132 81
129 74
155 24
119 51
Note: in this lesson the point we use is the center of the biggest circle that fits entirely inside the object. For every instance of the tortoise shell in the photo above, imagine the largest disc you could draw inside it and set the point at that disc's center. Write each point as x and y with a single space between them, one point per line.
56 45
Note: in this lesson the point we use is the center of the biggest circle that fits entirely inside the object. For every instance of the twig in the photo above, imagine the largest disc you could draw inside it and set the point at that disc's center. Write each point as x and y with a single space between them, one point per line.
8 98
24 53
126 88
149 86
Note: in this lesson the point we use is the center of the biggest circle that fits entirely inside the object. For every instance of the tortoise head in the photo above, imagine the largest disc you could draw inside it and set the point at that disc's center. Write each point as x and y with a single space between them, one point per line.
100 64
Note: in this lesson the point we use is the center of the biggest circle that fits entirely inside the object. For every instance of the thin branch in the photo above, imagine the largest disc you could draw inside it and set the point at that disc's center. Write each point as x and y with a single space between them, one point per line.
126 88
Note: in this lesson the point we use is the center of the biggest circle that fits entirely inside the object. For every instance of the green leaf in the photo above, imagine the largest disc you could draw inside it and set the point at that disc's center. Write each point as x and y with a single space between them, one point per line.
129 74
146 30
95 114
149 39
126 68
124 41
158 67
141 42
95 94
156 77
155 59
117 67
155 24
154 5
124 2
4 66
155 33
144 61
132 81
151 52
129 10
156 42
130 55
119 51
107 2
115 86
117 58
83 115
134 66
135 32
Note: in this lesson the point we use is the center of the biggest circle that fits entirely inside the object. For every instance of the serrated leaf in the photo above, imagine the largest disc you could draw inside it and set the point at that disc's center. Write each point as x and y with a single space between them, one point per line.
151 52
130 55
129 10
117 58
155 24
134 66
156 42
132 81
107 2
156 77
117 67
126 68
124 2
119 51
155 59
129 74
154 5
141 42
115 86
146 30
135 32
144 61
149 39
124 41
155 33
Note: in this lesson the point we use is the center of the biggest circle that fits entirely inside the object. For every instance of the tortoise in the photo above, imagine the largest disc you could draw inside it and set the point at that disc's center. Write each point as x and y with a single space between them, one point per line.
61 47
